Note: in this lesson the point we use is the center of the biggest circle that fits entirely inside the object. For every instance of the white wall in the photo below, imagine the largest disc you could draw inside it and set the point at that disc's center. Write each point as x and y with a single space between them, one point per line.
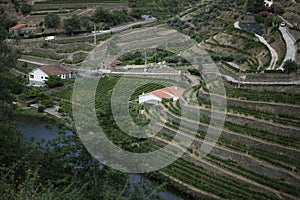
65 76
268 3
38 76
175 98
147 97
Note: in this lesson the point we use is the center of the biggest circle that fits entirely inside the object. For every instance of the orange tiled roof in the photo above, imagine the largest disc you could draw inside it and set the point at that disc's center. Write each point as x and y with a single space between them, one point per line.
54 70
168 92
16 27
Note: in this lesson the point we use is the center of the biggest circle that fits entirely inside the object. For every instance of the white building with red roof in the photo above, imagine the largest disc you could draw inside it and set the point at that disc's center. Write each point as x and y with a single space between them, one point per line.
42 74
169 93
16 30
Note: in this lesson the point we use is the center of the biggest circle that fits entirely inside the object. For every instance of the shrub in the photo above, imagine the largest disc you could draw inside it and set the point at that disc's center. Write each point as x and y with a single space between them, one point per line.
52 20
41 108
26 9
54 81
290 66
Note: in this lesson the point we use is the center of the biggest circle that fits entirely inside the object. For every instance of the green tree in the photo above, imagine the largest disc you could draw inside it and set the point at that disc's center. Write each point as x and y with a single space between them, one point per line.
6 21
255 6
72 24
54 81
85 21
61 169
101 15
10 149
3 34
171 59
278 9
290 66
52 20
26 9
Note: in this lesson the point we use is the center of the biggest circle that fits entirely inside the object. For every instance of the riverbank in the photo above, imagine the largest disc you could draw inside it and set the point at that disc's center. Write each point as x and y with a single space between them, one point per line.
25 111
42 128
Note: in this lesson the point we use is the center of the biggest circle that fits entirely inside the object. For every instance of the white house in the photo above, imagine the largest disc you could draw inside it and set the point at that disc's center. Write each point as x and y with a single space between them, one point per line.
16 30
268 3
39 75
172 92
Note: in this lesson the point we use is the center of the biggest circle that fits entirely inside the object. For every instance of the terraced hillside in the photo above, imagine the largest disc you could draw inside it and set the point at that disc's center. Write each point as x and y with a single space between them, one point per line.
211 23
257 155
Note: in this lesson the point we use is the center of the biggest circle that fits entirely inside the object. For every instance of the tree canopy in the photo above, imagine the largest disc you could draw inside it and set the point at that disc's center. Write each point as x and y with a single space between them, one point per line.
255 6
72 24
54 81
60 169
112 18
26 9
52 20
290 66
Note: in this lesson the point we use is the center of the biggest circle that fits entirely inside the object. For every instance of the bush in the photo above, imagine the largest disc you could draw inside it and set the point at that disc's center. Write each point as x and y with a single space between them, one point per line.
54 81
41 108
26 9
171 59
290 66
52 20
72 25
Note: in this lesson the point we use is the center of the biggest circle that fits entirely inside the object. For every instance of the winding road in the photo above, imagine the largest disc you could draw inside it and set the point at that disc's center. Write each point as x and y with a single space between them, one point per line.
274 55
291 46
147 20
290 41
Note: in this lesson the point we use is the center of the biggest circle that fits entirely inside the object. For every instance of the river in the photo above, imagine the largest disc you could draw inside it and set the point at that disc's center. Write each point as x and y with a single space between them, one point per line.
35 129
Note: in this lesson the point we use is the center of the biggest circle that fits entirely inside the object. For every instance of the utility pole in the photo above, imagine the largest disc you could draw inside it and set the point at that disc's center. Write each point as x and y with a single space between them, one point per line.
239 84
95 39
145 69
155 53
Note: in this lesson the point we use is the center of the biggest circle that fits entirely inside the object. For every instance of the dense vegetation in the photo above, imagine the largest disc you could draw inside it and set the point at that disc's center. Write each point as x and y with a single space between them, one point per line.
153 56
62 169
78 1
256 156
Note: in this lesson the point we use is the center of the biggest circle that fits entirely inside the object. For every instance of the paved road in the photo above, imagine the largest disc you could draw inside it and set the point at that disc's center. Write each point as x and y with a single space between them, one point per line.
141 73
291 46
147 20
287 22
274 55
232 80
32 62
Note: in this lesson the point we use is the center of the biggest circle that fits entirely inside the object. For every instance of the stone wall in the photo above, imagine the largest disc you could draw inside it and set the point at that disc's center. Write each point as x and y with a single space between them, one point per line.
276 109
253 123
108 5
80 5
260 77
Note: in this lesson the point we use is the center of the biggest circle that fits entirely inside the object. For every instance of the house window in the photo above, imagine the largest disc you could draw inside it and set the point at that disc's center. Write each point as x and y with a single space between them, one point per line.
42 77
46 77
31 76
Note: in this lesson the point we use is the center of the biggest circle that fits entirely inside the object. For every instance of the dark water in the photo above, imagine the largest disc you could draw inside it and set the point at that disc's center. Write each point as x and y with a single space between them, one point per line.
41 131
